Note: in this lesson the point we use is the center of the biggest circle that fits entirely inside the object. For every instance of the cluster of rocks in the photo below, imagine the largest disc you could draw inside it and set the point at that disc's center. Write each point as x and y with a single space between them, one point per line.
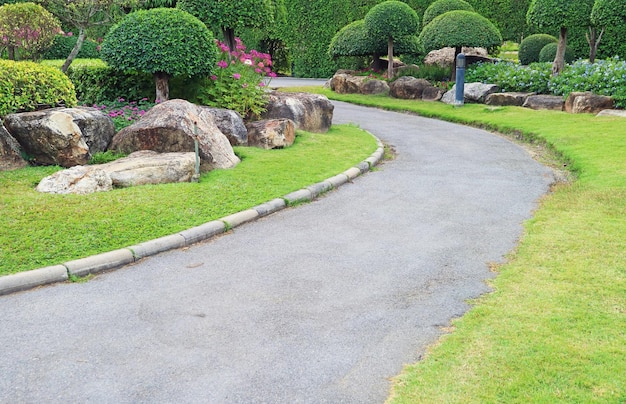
412 88
160 145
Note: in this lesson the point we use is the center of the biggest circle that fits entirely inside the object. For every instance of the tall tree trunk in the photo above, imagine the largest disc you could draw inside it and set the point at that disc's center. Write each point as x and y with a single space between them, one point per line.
593 39
390 57
161 80
457 51
377 63
559 59
11 52
75 50
229 37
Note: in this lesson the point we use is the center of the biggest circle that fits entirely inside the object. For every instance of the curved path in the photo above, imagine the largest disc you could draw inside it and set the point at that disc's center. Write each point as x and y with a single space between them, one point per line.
320 303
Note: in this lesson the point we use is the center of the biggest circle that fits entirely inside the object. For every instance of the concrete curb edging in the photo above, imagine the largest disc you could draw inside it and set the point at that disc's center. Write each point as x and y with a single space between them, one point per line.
115 259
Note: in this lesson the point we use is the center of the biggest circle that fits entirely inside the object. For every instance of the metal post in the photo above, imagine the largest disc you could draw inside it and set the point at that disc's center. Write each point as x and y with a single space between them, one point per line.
196 176
459 98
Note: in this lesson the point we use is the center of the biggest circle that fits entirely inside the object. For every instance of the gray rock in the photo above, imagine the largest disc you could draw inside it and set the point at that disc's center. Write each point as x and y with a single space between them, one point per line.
149 167
271 133
79 180
473 92
432 93
10 157
587 102
613 112
550 102
343 83
506 99
445 56
374 86
408 88
61 136
169 127
231 125
310 112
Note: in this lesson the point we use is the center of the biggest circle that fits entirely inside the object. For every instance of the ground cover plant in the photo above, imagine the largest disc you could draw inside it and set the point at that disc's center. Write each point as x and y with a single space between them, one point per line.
44 229
554 327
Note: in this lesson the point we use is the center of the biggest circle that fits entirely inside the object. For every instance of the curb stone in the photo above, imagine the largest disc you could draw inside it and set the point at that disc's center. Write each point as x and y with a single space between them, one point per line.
115 259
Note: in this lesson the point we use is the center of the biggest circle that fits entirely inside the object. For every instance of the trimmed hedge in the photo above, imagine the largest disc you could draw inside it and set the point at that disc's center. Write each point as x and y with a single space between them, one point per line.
443 6
63 45
460 28
532 45
548 53
26 86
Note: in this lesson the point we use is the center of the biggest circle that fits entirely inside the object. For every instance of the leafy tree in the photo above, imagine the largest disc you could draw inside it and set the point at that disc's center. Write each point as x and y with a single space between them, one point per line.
459 28
165 42
84 14
443 6
26 29
355 40
608 14
230 15
559 15
391 20
509 16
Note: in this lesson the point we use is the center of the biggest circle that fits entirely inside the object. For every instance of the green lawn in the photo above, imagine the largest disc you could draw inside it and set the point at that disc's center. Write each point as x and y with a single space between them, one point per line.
38 230
554 329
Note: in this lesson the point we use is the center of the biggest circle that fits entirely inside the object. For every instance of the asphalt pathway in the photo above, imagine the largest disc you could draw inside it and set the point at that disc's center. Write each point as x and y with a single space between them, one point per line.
320 303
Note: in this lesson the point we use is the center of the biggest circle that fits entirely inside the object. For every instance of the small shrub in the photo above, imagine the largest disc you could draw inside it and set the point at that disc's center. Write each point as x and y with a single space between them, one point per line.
105 157
63 45
531 46
26 86
239 84
428 72
548 53
510 76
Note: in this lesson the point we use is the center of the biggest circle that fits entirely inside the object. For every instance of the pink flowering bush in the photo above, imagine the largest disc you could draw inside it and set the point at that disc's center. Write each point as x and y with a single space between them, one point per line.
123 112
239 81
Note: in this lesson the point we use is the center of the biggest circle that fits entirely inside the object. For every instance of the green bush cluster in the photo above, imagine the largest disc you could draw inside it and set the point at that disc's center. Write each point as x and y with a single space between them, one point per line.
604 77
531 46
443 6
26 86
548 53
434 73
510 76
63 45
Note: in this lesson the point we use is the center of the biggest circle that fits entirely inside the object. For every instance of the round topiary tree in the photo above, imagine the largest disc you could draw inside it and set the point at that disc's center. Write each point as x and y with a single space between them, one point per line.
26 29
443 6
457 29
230 15
531 46
548 53
609 12
391 20
165 42
354 40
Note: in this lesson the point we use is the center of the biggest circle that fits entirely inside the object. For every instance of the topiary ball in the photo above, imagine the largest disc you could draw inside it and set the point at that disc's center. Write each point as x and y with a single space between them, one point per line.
443 6
531 46
548 53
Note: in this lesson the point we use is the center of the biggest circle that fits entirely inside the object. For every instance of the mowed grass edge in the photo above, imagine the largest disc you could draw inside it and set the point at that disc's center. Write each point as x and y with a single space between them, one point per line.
554 328
38 230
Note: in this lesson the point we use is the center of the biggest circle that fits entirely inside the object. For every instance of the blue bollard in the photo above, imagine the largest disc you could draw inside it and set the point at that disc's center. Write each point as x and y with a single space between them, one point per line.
459 98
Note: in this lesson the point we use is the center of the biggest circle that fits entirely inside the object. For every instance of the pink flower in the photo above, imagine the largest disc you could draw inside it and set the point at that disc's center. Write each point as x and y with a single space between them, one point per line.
222 64
258 70
272 74
244 85
261 64
236 76
261 84
213 77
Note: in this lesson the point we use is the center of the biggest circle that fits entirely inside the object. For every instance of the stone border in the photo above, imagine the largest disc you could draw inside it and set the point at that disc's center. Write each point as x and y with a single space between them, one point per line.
115 259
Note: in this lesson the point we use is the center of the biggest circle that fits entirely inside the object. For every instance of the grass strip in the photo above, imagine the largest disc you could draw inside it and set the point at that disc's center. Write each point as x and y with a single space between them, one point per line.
554 328
38 229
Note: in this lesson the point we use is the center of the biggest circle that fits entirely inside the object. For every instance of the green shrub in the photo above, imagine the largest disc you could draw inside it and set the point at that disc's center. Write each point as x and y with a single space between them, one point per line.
25 86
604 77
26 29
510 76
443 6
548 53
428 72
63 45
530 47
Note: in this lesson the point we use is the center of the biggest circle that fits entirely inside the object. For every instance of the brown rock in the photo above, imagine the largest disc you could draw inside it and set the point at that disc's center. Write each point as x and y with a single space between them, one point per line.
432 93
271 133
169 127
310 112
551 102
10 158
505 99
587 102
408 88
230 123
149 167
80 180
343 83
374 86
613 112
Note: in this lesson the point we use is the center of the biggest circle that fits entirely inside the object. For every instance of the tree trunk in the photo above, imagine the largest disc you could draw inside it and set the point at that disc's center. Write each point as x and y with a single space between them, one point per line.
229 37
559 60
75 50
377 63
593 39
390 57
161 81
11 52
457 51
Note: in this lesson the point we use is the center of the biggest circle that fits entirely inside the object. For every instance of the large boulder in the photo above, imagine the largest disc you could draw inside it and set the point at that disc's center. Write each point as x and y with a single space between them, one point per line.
445 56
343 83
271 133
408 88
61 136
587 102
472 92
374 86
432 93
550 102
171 126
10 157
139 168
507 99
231 124
310 112
79 180
613 112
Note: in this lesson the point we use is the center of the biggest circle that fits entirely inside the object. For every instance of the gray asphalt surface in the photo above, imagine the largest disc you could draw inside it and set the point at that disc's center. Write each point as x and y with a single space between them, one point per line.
322 303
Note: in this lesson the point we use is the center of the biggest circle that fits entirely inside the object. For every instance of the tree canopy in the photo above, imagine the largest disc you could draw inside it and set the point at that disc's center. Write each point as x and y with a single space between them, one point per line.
443 6
26 29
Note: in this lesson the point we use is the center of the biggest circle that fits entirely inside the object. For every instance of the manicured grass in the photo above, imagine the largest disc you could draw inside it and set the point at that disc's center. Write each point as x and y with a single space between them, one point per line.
554 328
38 230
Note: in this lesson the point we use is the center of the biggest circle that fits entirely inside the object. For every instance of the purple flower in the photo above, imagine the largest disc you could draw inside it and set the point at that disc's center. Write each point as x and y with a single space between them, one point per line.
222 64
213 77
236 76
